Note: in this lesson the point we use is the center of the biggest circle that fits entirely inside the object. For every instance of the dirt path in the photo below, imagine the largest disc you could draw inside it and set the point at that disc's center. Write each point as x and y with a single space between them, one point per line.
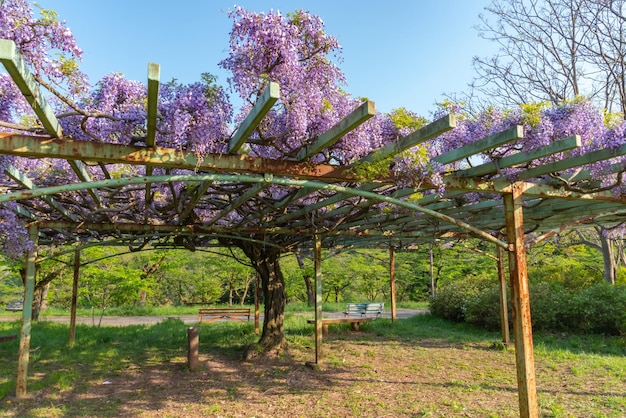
187 319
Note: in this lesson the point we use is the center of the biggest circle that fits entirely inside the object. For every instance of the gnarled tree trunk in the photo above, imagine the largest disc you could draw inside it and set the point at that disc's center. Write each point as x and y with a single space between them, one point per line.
265 260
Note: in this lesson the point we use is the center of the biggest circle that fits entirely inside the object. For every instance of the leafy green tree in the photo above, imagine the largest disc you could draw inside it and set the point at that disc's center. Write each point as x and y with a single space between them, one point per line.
11 288
107 282
189 278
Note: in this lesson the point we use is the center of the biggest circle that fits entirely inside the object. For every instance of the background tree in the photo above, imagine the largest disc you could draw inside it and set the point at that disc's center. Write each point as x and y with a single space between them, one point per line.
554 51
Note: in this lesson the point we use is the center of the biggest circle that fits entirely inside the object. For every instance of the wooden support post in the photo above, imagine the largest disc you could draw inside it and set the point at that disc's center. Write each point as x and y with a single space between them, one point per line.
522 327
504 307
392 280
318 298
192 348
27 315
257 296
74 298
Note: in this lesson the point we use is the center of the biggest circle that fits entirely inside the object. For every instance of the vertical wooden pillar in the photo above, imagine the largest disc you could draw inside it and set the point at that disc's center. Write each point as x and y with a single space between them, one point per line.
74 297
392 280
318 298
504 307
520 298
27 315
257 296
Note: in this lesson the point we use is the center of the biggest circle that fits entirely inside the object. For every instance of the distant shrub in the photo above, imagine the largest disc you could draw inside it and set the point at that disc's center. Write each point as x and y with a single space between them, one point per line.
452 300
550 303
596 309
600 309
483 310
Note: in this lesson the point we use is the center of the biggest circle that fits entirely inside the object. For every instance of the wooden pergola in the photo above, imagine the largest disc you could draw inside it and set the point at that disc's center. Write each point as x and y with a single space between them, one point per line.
324 205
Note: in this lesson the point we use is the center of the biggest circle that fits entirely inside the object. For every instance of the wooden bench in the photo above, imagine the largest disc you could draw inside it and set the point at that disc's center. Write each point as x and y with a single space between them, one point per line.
354 322
364 309
6 338
215 314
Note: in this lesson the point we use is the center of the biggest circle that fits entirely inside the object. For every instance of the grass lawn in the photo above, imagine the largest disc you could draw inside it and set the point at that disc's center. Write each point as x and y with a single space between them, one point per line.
415 367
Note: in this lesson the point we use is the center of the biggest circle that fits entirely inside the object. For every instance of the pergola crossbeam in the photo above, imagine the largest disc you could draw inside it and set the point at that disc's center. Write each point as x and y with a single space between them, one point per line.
523 157
573 162
347 124
421 135
17 69
25 181
492 141
37 147
263 105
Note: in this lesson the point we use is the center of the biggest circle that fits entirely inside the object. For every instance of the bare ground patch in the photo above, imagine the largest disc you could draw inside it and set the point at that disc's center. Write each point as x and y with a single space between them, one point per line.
359 376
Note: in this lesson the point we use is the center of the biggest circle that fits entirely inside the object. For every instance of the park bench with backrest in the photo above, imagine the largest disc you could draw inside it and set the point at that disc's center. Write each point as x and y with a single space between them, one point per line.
216 314
364 309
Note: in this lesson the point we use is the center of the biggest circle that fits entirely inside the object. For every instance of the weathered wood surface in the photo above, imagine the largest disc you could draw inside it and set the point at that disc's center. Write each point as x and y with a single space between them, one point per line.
215 314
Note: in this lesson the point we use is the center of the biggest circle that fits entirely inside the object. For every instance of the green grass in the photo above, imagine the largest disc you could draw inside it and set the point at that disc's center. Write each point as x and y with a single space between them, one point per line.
102 353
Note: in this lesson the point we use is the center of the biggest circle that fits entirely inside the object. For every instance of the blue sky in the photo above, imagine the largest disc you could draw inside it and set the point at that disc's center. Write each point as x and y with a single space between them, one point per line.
397 53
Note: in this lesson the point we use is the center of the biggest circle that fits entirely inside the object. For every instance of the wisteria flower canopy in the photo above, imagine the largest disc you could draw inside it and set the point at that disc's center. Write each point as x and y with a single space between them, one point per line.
159 163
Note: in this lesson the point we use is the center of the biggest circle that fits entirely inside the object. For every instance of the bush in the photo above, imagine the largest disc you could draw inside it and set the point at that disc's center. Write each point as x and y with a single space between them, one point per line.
452 300
600 309
550 305
597 309
483 310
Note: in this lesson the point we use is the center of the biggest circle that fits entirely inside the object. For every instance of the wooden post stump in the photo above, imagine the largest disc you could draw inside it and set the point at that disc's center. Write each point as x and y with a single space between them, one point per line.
192 348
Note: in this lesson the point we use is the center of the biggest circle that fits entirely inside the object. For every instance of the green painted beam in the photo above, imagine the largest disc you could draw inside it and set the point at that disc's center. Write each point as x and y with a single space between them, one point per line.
523 157
165 230
584 221
487 143
17 69
347 124
500 185
37 147
548 191
81 171
27 182
345 209
263 105
573 162
154 77
423 134
317 205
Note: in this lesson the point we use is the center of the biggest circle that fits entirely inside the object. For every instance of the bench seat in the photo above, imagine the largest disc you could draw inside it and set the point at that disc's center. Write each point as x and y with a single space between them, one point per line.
364 309
354 322
216 314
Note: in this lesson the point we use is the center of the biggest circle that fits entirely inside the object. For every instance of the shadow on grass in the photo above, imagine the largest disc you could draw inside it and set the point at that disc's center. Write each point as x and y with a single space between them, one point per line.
112 371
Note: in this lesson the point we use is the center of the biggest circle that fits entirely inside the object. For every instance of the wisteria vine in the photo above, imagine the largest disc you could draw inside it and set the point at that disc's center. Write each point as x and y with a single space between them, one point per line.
293 50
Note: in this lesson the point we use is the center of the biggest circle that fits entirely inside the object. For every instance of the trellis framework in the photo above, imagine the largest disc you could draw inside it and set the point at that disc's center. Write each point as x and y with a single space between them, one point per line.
329 204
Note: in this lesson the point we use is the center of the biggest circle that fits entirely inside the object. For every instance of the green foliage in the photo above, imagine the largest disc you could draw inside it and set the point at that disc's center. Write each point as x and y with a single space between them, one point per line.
11 288
452 301
531 113
403 118
372 170
612 119
572 266
600 309
597 309
483 310
549 303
